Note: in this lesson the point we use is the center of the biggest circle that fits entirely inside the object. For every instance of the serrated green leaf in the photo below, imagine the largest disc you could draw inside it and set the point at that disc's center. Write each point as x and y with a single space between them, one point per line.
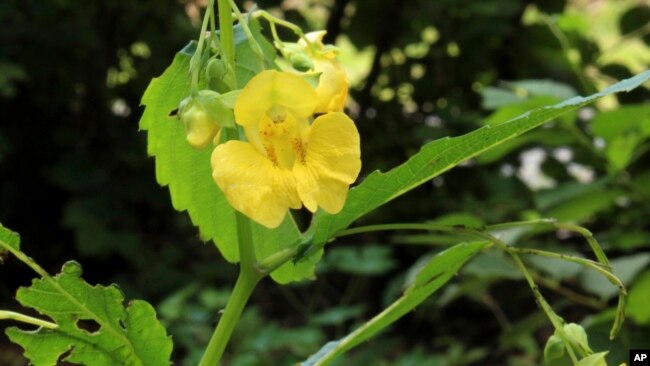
187 171
184 170
8 239
124 336
441 155
432 276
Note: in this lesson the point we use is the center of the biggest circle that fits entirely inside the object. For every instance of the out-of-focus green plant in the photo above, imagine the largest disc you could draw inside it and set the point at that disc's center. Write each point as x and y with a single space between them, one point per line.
278 139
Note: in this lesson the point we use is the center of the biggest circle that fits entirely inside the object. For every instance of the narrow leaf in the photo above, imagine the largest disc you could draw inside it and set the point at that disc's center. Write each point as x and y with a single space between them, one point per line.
435 274
94 327
441 155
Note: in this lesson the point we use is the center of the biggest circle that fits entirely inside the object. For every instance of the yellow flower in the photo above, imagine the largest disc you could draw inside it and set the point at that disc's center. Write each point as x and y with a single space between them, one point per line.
332 90
286 162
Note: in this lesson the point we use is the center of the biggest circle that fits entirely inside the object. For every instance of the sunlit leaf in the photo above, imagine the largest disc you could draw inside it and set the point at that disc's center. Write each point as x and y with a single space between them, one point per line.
187 171
94 326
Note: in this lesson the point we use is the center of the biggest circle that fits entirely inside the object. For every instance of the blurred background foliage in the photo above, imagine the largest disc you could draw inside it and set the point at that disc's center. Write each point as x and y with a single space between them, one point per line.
77 184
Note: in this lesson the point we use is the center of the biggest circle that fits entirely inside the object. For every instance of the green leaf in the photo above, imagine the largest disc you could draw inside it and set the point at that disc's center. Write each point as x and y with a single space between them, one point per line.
623 129
547 198
637 301
597 359
625 268
546 136
365 261
537 87
188 173
611 124
492 264
584 206
336 316
432 276
620 151
441 155
184 170
123 336
8 239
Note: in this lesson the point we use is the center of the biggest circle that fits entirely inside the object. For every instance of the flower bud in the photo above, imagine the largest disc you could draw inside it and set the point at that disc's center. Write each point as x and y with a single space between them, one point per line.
219 76
301 62
203 116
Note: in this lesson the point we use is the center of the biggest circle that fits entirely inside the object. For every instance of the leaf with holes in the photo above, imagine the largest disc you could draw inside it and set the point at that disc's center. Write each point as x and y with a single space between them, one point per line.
94 326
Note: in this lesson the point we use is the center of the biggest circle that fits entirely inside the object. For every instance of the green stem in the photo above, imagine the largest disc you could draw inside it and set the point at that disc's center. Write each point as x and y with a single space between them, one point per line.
595 247
195 62
274 20
213 30
408 226
244 24
566 50
4 314
294 28
274 261
245 238
248 278
546 308
596 266
602 266
241 293
226 32
508 225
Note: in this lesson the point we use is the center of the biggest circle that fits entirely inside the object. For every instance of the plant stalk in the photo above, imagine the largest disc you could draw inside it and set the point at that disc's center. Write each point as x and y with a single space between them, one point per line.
244 287
11 315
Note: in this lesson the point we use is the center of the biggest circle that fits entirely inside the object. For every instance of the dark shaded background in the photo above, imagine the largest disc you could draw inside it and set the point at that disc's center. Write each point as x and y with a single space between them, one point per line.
76 182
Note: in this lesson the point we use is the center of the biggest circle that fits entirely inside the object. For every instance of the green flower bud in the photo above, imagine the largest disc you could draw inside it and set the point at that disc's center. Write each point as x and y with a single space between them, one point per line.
219 76
203 116
301 62
554 349
579 336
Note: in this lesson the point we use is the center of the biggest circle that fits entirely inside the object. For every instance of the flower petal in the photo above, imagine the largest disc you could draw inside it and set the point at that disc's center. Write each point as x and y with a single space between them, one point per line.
252 184
332 90
332 162
273 88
